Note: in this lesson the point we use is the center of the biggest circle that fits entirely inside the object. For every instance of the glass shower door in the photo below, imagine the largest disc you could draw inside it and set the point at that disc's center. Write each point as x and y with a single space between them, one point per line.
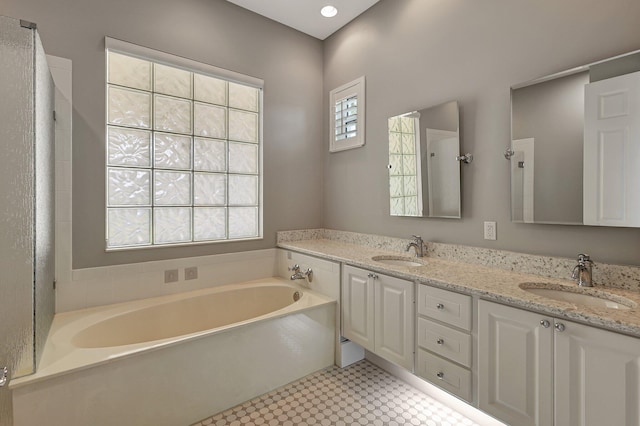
26 203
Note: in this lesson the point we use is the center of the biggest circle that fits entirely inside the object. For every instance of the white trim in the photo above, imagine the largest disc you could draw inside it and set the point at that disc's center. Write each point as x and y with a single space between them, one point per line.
179 61
186 243
62 71
434 391
354 88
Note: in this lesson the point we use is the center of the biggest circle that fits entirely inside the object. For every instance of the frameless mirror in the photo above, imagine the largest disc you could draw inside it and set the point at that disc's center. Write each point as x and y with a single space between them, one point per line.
424 168
575 146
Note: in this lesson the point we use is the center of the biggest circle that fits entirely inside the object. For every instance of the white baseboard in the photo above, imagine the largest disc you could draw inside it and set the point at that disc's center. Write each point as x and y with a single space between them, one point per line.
433 391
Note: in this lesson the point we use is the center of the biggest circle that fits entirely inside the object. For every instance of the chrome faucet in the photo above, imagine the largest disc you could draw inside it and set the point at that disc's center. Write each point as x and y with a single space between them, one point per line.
417 244
583 271
299 275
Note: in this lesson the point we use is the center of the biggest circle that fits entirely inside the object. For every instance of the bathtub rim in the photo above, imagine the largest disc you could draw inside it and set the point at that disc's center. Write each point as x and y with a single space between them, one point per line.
61 357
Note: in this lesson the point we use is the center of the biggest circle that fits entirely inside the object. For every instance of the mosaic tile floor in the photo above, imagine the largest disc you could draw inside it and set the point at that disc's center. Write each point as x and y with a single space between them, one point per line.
361 394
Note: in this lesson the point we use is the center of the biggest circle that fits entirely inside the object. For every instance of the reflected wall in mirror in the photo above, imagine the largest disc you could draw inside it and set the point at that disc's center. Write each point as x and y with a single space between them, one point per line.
576 146
547 135
424 173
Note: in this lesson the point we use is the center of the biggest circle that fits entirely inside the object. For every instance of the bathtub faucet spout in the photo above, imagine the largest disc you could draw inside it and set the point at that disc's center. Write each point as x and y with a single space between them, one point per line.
299 275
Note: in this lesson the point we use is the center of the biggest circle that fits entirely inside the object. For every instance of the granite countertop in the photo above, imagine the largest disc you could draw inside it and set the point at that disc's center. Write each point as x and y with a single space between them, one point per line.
488 283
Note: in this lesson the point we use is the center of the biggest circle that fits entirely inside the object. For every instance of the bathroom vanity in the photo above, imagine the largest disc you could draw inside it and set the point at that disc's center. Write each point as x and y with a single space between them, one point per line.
481 334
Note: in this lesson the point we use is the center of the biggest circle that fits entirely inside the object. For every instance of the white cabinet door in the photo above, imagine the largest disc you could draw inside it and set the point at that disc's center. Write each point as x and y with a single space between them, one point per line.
357 307
612 152
394 320
597 377
515 365
378 314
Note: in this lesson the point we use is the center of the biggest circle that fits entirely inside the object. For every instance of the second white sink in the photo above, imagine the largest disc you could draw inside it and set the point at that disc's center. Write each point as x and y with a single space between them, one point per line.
579 298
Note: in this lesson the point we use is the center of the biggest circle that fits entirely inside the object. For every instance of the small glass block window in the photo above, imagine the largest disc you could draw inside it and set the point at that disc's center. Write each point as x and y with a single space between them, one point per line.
183 155
403 166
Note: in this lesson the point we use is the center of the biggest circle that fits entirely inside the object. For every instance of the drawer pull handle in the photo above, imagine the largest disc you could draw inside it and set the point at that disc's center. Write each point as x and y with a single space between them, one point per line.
440 375
440 341
440 306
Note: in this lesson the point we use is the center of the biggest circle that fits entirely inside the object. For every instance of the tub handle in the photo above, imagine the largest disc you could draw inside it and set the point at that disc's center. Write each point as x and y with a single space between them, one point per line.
299 275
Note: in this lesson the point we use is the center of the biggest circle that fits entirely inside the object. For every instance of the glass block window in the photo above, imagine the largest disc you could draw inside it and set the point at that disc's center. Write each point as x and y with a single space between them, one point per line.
404 156
347 114
183 154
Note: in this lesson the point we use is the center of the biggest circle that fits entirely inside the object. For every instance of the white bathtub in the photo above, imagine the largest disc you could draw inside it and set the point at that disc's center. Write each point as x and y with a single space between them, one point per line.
176 359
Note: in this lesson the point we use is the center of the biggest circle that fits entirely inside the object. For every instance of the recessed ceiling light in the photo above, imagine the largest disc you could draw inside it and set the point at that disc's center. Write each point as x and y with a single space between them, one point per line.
329 11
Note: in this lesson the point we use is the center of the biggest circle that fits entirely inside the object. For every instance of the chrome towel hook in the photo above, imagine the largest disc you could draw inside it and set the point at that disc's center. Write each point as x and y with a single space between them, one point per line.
466 158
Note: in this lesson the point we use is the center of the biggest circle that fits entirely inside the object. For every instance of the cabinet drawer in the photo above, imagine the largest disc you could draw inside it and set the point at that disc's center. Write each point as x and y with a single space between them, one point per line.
446 306
444 374
444 341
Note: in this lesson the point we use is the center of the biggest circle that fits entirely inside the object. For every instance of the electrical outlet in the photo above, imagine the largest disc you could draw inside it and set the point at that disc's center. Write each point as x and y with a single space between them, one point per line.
170 276
191 273
490 231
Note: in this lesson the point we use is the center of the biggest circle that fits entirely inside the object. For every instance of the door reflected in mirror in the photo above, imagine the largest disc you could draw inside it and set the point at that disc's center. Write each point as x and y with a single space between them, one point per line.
424 172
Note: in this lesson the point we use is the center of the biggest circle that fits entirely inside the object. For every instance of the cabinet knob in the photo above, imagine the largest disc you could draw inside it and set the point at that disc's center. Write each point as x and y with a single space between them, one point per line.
440 375
545 323
440 306
440 341
374 276
559 326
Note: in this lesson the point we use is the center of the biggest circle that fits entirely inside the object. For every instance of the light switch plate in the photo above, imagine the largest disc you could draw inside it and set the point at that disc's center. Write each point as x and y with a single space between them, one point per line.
490 231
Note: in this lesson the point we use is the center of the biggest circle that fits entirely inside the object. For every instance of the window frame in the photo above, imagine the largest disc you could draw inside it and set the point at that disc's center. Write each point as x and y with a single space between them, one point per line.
159 57
355 88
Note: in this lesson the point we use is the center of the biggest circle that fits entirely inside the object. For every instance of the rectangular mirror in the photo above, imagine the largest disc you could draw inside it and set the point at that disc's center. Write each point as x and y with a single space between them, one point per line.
424 172
575 146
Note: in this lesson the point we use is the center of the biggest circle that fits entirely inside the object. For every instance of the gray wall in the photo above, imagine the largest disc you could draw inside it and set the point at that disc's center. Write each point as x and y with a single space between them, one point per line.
552 113
468 51
471 52
614 68
441 117
214 32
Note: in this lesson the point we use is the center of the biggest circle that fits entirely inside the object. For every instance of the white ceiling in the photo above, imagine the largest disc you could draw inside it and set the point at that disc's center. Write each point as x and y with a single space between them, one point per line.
304 15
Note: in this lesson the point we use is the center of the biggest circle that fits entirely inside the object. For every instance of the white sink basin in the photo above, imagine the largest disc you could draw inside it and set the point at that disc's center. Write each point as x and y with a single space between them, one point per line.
399 260
579 296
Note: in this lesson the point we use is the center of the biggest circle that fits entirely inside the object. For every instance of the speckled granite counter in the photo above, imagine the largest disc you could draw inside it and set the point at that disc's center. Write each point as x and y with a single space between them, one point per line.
489 283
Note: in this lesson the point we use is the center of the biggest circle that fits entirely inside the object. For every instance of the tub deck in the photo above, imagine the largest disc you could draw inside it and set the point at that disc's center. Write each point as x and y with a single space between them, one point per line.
62 356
